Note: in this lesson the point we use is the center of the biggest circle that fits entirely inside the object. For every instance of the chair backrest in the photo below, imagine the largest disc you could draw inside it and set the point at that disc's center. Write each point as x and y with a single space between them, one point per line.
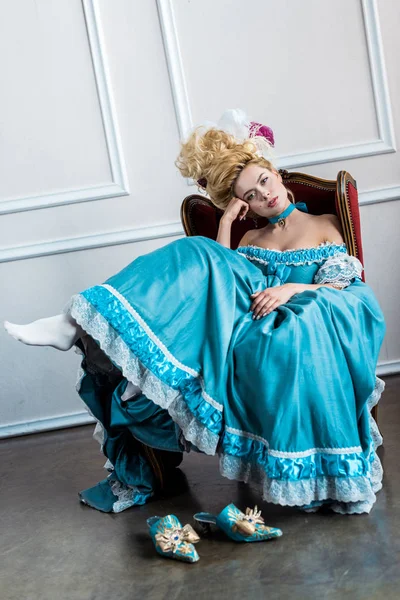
200 217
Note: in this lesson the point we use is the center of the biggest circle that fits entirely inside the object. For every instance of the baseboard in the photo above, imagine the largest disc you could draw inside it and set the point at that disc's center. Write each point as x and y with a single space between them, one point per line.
83 418
25 428
389 367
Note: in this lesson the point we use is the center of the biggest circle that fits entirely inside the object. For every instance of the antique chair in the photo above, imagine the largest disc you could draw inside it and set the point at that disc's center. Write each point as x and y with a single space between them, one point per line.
200 217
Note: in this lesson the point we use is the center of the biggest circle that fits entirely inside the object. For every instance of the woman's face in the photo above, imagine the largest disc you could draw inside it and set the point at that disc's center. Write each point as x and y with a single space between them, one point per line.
262 189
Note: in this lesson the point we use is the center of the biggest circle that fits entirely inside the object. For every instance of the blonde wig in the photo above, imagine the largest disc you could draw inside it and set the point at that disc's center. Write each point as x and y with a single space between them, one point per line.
217 158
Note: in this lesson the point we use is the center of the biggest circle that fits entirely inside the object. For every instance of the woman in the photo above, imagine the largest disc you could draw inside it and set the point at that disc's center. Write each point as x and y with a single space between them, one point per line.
265 355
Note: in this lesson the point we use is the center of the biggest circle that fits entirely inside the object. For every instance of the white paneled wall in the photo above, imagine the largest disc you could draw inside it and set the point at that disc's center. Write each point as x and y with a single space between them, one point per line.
95 97
287 62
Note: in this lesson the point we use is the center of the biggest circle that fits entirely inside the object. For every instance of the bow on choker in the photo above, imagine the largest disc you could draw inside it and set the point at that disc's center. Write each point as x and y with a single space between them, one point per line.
280 219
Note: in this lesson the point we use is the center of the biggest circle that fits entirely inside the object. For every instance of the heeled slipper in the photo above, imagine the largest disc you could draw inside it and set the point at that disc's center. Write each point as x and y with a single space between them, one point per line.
172 540
239 526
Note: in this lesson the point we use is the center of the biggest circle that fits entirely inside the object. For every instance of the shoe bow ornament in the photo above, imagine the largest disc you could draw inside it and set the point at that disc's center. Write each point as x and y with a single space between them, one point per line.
172 540
241 527
246 523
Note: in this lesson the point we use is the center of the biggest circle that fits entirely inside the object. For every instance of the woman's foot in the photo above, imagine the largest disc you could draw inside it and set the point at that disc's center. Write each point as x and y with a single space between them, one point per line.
60 332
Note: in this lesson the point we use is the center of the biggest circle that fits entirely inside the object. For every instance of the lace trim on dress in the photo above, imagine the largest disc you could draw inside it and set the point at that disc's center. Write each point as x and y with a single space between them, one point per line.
376 466
294 257
340 271
302 491
127 495
124 494
350 495
156 390
160 345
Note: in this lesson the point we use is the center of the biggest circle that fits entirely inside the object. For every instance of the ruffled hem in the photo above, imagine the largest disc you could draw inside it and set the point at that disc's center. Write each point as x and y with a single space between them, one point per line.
348 494
133 370
353 495
303 491
110 495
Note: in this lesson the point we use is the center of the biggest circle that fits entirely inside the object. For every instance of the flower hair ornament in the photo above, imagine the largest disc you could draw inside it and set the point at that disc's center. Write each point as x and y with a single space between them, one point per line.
235 122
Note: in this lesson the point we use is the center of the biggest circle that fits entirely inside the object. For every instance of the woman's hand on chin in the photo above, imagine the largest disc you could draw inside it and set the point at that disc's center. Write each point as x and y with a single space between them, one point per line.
269 299
236 208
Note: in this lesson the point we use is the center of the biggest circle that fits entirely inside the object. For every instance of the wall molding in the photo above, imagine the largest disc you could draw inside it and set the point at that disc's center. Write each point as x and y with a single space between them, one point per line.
140 234
380 90
119 184
84 418
88 242
379 195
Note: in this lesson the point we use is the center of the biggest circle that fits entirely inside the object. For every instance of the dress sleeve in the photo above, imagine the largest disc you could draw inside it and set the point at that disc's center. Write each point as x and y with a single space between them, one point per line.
340 271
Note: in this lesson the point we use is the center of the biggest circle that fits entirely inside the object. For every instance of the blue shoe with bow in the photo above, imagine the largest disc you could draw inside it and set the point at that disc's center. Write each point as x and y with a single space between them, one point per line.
239 526
172 540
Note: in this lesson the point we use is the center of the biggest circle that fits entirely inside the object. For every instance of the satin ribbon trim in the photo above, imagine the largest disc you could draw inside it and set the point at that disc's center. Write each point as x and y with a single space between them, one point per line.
118 325
300 256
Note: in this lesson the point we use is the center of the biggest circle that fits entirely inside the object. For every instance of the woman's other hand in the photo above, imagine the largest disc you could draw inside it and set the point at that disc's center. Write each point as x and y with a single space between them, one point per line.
269 299
236 208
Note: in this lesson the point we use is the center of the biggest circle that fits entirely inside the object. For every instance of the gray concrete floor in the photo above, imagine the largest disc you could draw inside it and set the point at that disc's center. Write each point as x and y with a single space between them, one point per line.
52 547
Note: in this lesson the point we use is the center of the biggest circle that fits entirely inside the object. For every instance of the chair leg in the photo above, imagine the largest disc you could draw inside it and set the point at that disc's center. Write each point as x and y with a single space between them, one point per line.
162 463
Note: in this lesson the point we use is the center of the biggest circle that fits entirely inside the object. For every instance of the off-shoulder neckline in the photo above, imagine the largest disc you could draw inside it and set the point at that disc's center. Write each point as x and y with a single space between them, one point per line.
321 245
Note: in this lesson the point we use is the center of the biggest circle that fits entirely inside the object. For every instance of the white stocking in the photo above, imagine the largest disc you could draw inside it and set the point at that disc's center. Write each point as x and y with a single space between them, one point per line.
60 331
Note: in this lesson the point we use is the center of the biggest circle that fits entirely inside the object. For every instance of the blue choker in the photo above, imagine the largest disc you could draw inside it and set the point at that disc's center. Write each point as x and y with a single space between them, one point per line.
280 219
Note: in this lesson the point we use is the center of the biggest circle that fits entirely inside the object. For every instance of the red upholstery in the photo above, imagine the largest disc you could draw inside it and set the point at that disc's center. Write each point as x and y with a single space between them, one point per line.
347 209
355 215
204 219
200 217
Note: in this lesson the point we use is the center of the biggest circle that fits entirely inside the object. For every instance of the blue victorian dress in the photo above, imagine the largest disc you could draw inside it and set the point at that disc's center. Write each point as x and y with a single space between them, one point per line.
284 401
